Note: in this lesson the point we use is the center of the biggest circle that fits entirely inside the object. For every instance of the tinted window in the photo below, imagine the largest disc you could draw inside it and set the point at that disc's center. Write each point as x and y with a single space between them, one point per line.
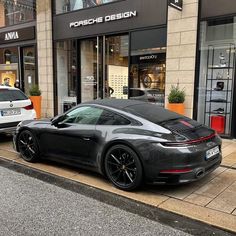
136 92
11 95
83 115
110 118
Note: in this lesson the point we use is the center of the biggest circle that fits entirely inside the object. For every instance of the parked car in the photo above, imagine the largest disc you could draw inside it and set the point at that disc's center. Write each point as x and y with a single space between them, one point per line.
128 141
147 95
15 107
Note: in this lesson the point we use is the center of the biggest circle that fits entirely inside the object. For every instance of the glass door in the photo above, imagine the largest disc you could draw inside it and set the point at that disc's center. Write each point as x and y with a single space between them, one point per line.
104 67
29 68
90 69
116 66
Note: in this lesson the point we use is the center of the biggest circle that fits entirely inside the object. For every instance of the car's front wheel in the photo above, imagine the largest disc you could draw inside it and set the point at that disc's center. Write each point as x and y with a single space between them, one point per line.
123 167
28 146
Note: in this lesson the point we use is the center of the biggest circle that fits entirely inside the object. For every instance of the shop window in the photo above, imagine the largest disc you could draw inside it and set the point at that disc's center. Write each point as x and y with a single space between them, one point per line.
62 6
147 70
216 76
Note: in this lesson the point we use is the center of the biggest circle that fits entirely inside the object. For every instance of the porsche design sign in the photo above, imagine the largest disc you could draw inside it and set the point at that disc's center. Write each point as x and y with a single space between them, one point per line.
102 19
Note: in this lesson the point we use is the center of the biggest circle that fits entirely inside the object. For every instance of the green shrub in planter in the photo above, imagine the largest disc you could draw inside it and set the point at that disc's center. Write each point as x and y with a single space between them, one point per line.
176 95
35 91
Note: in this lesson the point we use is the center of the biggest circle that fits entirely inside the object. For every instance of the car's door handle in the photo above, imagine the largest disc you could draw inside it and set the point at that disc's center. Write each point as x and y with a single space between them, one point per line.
86 139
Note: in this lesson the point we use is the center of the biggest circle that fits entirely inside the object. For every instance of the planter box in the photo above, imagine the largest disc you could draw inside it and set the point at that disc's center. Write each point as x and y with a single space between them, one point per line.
36 100
176 107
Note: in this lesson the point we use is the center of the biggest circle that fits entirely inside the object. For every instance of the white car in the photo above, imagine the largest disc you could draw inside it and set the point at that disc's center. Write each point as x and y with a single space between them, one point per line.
15 107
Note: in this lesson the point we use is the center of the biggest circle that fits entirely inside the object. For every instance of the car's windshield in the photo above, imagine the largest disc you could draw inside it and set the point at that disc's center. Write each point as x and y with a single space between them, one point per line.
11 95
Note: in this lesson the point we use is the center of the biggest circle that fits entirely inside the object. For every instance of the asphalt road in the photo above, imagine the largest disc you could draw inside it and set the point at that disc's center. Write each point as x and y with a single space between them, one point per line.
32 207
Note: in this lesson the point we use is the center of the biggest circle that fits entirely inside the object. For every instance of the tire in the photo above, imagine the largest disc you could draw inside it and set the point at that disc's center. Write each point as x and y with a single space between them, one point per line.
123 167
28 146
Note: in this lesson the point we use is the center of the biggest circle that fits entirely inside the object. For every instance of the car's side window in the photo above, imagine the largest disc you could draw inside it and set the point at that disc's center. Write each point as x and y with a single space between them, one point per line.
84 115
111 118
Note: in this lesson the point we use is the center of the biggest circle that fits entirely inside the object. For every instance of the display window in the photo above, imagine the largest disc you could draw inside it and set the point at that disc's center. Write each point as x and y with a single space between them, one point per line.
216 75
18 67
62 6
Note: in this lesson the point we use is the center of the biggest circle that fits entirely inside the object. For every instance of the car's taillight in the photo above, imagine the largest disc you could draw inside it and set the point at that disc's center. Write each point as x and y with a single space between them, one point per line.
190 142
176 171
29 107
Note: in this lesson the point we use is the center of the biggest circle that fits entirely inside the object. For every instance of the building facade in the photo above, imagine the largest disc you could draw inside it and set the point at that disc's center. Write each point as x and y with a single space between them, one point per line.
80 50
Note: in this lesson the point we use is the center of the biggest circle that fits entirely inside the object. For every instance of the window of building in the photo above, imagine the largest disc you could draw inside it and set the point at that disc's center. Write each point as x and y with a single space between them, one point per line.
66 75
62 6
148 66
216 76
16 11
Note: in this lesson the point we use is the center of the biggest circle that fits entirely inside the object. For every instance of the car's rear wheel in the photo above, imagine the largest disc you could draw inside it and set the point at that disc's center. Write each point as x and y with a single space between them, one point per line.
28 146
123 167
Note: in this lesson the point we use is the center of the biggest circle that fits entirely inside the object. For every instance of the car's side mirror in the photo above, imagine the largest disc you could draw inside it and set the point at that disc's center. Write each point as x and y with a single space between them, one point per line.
56 120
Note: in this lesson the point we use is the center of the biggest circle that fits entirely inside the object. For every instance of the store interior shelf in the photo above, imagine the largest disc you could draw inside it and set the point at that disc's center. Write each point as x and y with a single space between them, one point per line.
220 68
219 87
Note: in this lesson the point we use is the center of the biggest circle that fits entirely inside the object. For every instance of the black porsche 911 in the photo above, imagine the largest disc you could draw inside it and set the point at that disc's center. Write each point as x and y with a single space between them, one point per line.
128 141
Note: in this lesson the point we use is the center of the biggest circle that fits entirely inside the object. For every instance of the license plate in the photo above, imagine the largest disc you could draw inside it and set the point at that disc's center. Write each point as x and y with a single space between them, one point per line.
11 112
212 152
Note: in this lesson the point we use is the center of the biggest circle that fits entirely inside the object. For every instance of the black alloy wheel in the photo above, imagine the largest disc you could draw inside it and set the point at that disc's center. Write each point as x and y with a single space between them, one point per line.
28 146
123 167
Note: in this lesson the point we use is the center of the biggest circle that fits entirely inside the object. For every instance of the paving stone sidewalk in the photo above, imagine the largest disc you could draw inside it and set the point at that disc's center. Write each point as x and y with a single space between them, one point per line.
211 200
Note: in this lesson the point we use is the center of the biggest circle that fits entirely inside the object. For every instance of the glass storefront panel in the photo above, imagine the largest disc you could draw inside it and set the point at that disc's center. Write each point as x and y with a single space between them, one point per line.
90 60
116 66
9 73
66 75
16 11
62 6
217 72
29 67
148 66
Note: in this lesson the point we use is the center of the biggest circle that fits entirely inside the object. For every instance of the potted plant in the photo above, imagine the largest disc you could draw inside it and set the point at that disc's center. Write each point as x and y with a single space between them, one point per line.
176 99
35 97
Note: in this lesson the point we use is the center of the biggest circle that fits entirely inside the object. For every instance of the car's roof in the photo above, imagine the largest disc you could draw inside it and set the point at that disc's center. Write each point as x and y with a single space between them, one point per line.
148 111
8 87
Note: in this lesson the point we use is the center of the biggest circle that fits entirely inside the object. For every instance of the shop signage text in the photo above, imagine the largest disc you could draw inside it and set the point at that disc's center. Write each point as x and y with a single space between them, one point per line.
101 19
149 57
177 4
17 35
11 35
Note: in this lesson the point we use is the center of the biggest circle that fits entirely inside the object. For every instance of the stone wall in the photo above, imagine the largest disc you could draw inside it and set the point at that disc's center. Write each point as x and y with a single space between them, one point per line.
45 55
181 50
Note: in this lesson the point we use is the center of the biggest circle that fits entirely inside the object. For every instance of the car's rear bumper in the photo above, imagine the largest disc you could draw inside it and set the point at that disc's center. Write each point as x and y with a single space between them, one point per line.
176 165
195 174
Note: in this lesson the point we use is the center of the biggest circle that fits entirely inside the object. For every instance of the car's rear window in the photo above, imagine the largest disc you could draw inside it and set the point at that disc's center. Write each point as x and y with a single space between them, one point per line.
11 95
152 112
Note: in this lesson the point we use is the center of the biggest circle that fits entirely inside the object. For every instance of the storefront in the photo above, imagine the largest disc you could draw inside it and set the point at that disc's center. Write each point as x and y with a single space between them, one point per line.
17 44
116 49
215 86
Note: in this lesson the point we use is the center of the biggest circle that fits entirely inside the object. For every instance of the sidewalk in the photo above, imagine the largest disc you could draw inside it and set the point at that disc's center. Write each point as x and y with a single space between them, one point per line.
211 200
